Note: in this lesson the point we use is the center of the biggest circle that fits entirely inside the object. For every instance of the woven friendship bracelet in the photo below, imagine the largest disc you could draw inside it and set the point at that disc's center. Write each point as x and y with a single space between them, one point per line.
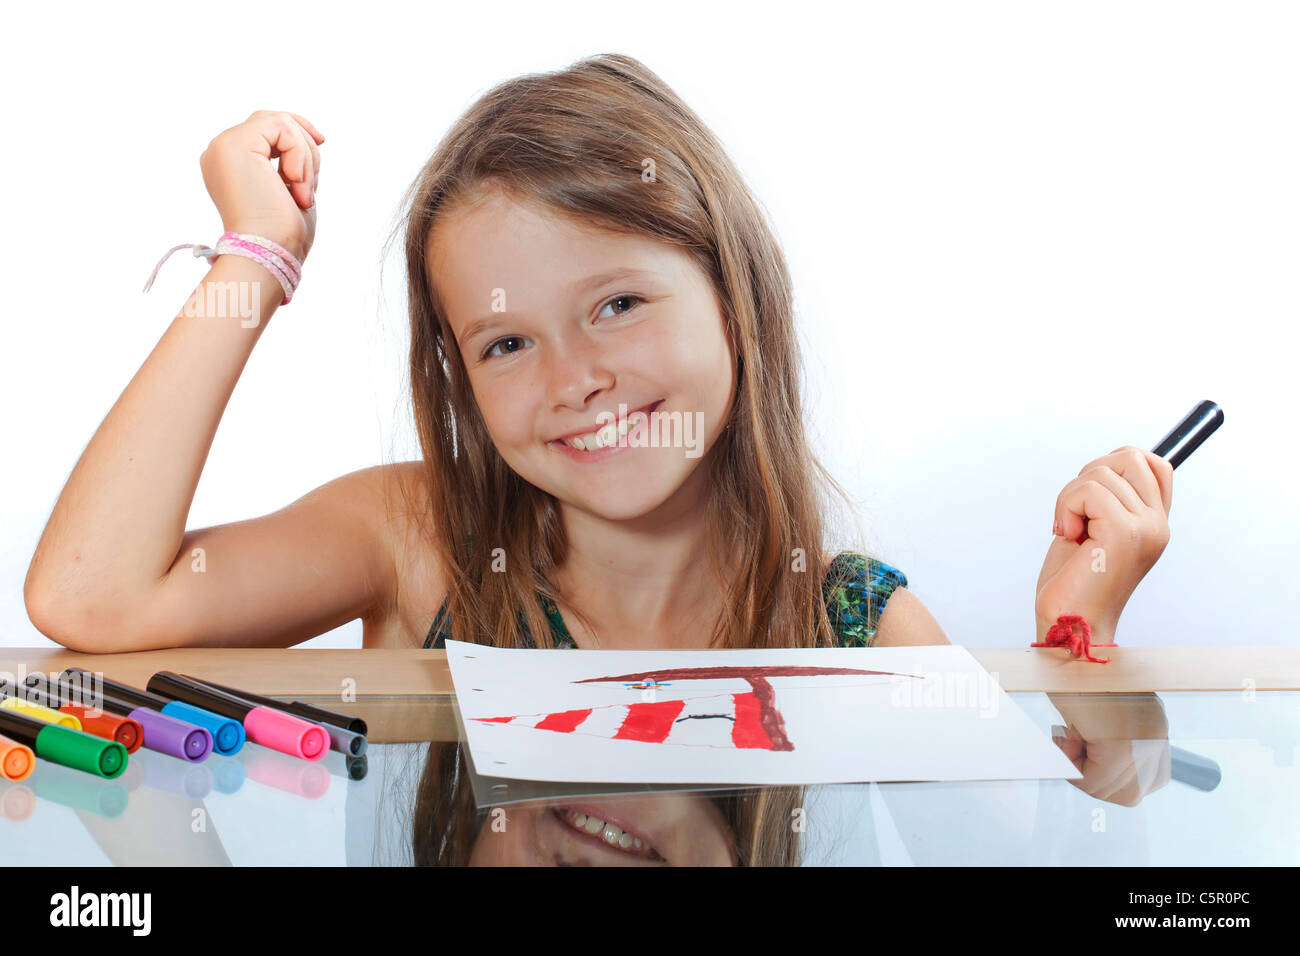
279 261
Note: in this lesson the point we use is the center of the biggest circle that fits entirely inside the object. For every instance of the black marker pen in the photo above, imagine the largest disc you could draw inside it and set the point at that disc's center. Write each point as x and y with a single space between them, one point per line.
1187 435
347 734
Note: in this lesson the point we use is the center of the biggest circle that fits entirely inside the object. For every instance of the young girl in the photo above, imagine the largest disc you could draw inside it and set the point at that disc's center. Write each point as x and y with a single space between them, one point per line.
587 273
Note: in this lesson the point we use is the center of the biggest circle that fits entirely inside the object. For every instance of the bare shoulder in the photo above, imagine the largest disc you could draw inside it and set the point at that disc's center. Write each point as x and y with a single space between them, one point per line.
906 620
418 581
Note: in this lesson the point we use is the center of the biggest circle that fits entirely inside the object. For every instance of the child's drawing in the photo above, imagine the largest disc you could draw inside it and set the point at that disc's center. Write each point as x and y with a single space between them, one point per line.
746 720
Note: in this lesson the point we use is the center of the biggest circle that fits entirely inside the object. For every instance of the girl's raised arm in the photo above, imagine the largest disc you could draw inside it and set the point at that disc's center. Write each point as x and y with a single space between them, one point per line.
114 569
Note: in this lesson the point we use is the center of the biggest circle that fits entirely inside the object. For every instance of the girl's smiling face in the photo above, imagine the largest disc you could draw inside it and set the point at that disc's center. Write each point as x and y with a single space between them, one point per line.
558 324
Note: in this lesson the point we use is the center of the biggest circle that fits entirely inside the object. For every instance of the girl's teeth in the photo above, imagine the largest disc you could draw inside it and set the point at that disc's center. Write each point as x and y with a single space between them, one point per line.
606 831
603 438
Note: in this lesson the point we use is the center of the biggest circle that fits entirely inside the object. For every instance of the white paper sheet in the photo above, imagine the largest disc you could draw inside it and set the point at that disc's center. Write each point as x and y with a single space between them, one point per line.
933 714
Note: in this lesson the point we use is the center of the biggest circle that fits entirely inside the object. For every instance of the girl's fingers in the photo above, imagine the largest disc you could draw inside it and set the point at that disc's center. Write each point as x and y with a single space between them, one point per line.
1118 485
295 168
307 125
285 138
311 139
1084 500
1164 475
1150 475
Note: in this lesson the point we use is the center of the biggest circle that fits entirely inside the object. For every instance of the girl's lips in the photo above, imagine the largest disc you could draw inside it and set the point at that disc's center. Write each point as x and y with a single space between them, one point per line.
648 850
622 445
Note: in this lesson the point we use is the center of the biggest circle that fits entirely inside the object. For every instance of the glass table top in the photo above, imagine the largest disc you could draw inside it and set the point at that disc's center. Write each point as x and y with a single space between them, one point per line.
1190 778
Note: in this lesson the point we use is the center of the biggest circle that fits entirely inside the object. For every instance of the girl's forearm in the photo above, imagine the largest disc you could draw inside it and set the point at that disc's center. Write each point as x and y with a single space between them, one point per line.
117 526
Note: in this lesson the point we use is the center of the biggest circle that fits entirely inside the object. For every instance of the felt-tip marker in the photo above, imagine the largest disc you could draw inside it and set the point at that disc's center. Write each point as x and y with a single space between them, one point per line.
159 732
94 720
72 748
1187 436
16 760
264 725
10 701
227 735
297 707
347 734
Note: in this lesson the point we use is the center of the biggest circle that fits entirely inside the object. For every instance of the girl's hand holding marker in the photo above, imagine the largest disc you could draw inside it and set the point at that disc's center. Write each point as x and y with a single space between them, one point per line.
1111 526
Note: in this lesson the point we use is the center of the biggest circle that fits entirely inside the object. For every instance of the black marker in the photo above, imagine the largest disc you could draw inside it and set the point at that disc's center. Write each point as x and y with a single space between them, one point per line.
1183 439
347 734
1188 434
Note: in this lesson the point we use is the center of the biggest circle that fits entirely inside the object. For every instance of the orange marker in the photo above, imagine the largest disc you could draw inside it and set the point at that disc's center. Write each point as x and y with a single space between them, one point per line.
16 760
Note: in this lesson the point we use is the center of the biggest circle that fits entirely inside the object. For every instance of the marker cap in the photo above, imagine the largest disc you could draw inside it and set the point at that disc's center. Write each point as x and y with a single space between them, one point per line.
80 750
227 735
124 730
345 741
286 733
16 760
41 712
172 736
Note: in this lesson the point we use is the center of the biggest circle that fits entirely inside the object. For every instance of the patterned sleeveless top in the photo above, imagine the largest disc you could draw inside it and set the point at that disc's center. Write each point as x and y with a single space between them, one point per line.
856 588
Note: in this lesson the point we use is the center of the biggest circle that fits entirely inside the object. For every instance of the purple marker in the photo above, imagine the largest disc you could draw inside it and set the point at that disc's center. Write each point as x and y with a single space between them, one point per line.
162 733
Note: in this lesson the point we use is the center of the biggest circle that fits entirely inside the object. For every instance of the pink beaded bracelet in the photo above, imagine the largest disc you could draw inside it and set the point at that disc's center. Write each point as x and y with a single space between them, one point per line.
279 261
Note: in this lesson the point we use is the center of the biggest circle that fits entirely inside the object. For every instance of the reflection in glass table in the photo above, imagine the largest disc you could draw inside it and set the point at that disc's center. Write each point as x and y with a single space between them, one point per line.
1179 778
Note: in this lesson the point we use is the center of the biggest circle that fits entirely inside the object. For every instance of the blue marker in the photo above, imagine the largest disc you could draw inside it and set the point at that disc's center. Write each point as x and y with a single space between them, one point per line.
227 735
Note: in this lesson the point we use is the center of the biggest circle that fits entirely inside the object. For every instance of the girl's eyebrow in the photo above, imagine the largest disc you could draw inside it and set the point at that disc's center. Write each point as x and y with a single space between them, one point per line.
487 322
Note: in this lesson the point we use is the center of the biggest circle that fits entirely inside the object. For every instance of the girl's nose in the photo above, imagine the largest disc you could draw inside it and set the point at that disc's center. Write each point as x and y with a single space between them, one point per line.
576 370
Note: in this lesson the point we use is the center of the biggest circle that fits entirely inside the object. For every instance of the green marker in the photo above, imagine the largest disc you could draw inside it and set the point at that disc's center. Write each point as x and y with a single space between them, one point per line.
72 748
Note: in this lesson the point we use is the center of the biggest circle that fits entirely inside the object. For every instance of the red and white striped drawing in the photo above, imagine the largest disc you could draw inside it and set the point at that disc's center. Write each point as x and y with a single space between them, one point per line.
747 720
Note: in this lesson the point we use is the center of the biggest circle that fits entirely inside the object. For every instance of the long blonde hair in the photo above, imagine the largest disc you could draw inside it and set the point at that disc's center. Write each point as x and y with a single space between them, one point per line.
577 141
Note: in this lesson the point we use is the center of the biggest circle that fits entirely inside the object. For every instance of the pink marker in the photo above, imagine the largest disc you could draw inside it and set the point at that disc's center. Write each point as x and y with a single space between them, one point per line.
263 725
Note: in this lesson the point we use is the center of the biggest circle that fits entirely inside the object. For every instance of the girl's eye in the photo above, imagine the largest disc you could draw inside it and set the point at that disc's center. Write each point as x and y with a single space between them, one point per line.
622 298
488 353
509 338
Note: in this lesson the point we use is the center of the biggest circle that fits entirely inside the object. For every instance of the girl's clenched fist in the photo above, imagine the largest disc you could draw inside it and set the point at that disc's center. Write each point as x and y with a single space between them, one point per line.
253 194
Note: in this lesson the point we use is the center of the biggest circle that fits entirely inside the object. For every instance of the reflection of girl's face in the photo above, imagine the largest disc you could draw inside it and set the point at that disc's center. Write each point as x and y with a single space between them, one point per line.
559 325
657 830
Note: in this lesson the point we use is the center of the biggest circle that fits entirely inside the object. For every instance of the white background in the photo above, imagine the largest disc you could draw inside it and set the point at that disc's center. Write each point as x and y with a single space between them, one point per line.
1021 234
